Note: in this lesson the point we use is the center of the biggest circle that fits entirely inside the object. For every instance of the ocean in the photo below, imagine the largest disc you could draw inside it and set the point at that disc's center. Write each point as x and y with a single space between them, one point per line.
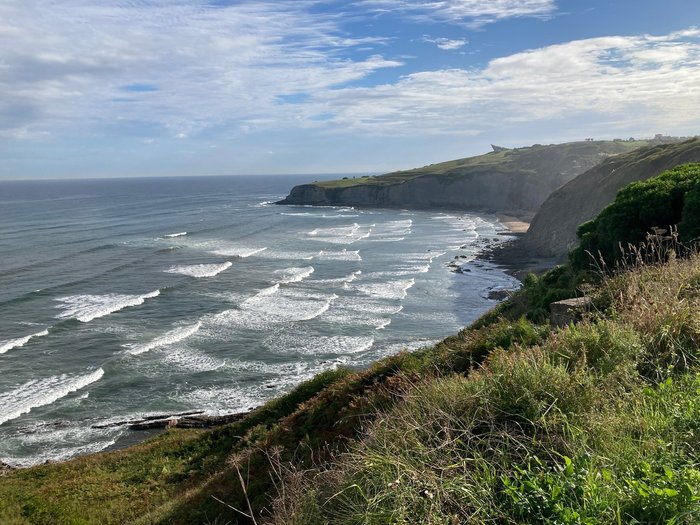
125 298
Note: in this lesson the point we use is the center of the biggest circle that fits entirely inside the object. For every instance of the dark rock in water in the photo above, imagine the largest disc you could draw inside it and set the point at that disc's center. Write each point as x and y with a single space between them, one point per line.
156 423
209 421
569 310
5 468
462 256
148 418
188 421
498 295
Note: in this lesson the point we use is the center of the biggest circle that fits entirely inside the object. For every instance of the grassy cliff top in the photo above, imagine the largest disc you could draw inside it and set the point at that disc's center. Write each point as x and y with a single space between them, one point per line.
533 158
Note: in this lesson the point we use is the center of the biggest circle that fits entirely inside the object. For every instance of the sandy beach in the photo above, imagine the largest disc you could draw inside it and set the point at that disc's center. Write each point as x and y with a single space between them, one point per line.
513 223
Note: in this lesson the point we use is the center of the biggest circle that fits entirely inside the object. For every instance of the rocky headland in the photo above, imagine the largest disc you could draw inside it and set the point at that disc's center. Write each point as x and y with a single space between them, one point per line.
515 181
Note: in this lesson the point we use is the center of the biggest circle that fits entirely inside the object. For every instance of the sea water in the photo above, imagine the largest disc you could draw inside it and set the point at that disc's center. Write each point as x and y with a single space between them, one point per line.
125 298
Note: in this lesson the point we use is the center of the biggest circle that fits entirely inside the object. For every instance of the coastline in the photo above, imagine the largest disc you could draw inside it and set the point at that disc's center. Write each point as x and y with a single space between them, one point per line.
515 222
510 255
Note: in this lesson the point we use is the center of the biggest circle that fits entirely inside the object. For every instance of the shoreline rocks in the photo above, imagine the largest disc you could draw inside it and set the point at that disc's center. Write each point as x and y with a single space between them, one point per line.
191 419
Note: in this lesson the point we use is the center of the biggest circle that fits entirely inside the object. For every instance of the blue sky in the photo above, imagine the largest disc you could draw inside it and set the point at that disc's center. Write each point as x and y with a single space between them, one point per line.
99 88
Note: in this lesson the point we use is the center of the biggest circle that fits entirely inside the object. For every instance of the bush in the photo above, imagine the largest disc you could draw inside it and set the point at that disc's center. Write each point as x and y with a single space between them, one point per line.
670 199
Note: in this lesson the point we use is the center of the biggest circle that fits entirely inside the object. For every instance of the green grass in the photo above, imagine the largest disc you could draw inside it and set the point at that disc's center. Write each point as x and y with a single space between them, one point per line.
520 160
597 424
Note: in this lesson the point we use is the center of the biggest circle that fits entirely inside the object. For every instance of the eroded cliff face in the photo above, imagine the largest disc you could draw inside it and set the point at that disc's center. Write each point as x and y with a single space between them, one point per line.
552 232
504 180
476 191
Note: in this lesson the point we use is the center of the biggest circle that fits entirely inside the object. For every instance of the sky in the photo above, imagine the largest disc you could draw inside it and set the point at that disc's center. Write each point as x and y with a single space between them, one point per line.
122 88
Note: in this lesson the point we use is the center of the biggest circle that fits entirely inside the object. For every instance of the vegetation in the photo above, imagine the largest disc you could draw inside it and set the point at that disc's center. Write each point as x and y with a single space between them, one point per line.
671 199
534 159
596 424
509 421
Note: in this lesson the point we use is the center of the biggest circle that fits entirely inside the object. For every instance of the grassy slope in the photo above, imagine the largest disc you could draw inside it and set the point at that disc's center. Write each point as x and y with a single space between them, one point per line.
507 161
599 423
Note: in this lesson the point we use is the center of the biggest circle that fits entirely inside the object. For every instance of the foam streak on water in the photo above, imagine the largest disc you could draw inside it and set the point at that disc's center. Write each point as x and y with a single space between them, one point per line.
171 337
41 392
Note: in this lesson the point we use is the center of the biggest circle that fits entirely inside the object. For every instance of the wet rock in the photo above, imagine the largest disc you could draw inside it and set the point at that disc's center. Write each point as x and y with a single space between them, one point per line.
188 421
5 468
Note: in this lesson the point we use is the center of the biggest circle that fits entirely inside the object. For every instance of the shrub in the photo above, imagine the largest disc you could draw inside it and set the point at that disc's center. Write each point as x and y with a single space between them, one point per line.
664 201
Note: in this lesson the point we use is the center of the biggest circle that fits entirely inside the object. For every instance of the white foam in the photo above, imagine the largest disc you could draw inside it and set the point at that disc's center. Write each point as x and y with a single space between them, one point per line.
20 341
371 307
280 378
340 280
294 275
237 251
173 235
192 361
289 255
200 270
362 311
266 292
422 256
40 392
383 324
268 308
58 444
342 255
224 400
85 308
340 235
392 231
171 337
387 239
386 290
400 271
337 345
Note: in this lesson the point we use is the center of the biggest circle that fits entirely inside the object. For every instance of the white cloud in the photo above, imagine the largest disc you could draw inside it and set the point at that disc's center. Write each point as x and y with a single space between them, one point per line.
167 69
446 44
470 12
615 83
175 65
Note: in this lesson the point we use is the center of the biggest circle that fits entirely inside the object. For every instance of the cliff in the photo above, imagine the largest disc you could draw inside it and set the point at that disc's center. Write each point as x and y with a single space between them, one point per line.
552 231
506 179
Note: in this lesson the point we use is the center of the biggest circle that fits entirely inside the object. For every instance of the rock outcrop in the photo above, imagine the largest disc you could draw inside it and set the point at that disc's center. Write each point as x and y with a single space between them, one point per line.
552 231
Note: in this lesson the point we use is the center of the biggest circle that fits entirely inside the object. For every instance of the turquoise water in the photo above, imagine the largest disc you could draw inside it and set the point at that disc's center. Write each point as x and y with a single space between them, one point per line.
126 298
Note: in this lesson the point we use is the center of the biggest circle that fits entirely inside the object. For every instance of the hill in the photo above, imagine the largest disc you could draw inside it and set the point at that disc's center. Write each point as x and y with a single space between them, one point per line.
513 180
552 231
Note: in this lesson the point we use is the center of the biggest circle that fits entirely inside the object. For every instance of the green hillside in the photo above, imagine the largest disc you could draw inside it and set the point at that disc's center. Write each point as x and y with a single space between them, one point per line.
533 158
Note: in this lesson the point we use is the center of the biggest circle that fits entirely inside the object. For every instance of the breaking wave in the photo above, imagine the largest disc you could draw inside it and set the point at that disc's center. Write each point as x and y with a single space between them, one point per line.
85 308
20 341
41 392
